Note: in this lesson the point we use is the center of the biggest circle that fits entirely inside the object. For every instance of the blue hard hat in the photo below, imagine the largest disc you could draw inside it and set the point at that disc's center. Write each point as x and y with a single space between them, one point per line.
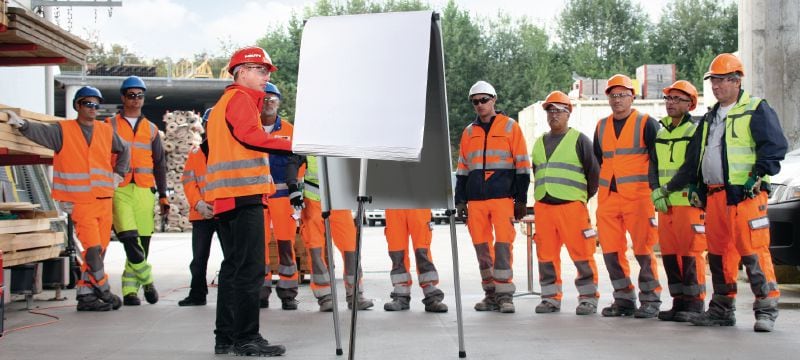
271 88
132 82
86 91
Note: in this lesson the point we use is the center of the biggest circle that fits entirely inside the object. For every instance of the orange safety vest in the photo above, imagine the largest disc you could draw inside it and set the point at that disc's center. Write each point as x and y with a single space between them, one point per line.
233 170
625 159
194 181
82 172
141 143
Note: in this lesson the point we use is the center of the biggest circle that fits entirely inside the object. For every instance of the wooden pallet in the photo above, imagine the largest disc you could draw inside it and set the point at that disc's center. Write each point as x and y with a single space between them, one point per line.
30 247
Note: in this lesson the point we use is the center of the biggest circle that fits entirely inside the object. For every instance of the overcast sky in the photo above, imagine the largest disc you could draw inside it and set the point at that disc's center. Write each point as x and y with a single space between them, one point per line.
182 28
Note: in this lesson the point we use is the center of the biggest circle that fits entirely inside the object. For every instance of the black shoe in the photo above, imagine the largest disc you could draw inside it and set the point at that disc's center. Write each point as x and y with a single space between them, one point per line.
131 300
93 304
258 347
289 304
150 293
714 318
647 311
112 299
223 348
192 301
616 310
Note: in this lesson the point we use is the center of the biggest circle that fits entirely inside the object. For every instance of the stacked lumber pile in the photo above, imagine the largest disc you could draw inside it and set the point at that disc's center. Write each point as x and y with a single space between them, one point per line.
13 143
32 40
183 129
25 234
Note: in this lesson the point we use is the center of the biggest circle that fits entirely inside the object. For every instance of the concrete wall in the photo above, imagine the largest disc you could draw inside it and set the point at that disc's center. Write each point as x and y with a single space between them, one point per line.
769 46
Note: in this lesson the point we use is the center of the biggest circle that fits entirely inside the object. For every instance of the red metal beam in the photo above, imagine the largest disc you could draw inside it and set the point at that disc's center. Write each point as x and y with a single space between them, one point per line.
18 47
16 159
23 61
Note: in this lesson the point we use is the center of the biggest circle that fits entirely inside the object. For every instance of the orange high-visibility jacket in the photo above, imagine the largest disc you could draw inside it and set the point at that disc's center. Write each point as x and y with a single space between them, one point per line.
234 170
141 141
194 181
82 172
625 159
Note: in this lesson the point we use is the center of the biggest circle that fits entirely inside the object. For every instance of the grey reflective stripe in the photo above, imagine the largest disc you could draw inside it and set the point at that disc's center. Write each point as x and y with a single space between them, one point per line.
462 172
676 289
740 150
474 154
287 284
96 171
550 290
559 165
287 270
349 280
401 290
141 170
486 274
430 276
631 151
188 173
70 176
740 166
187 180
143 267
469 130
239 164
321 292
608 154
694 290
503 274
587 290
253 180
281 186
428 290
99 183
522 158
601 129
139 145
523 170
71 188
311 188
401 278
84 290
631 179
499 165
623 283
130 284
504 288
638 130
648 285
603 182
510 125
153 130
667 172
320 279
499 153
561 181
624 294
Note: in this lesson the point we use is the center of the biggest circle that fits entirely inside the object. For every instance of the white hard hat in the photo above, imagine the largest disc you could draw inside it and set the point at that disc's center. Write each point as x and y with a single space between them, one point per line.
482 87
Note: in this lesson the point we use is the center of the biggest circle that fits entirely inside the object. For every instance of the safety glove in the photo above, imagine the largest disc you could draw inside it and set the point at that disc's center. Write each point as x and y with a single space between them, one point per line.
660 198
296 197
752 187
14 120
205 209
694 197
461 210
66 206
519 210
163 203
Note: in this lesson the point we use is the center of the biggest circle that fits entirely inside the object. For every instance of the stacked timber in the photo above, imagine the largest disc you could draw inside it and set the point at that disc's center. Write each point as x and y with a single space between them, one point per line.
25 234
183 129
12 143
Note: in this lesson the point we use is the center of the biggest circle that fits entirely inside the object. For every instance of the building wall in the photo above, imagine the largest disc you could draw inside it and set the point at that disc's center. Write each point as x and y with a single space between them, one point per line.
23 87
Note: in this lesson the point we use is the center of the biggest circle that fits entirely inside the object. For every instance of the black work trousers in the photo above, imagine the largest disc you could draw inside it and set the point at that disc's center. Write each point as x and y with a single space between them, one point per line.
241 234
202 233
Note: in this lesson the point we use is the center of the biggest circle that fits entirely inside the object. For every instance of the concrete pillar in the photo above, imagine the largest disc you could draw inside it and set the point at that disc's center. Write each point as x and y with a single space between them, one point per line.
769 46
69 94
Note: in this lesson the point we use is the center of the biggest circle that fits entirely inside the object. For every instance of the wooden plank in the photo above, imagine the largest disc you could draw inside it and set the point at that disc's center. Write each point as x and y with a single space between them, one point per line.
23 225
7 206
53 28
31 115
51 215
24 257
13 140
25 242
50 41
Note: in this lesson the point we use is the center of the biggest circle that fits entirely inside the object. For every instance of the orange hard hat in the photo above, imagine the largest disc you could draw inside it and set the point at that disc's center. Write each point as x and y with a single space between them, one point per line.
620 80
557 97
724 64
686 87
251 55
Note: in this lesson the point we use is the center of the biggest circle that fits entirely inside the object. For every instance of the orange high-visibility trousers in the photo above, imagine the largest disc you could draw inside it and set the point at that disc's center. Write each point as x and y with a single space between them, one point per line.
682 238
565 224
92 227
617 215
737 232
343 234
495 253
400 224
278 221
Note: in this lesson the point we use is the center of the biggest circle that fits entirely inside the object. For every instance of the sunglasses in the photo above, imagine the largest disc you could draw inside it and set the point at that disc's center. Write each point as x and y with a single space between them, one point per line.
556 111
482 100
89 104
134 96
675 99
271 99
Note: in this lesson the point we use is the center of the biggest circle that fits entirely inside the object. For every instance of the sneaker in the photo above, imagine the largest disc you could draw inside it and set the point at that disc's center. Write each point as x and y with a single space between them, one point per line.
764 323
363 303
616 311
436 307
506 306
289 304
258 347
93 304
131 300
192 301
487 304
586 308
150 293
546 307
326 305
223 348
685 316
647 310
714 318
398 304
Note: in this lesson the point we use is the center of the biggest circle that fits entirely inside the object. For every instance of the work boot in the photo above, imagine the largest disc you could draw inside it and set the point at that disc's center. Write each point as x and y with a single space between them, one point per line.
506 305
92 303
398 303
363 303
616 310
150 293
678 305
647 310
289 304
685 316
263 297
764 323
131 300
546 307
112 299
325 304
192 301
586 308
258 347
714 317
223 346
487 304
436 306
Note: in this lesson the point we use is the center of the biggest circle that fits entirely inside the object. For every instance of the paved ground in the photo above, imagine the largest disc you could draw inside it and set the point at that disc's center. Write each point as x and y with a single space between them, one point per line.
166 331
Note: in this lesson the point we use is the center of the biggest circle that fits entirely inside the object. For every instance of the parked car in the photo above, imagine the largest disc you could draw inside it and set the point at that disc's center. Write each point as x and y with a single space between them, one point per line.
784 212
376 215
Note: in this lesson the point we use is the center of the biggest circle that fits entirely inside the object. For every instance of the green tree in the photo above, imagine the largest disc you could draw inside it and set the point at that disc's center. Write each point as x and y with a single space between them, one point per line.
691 33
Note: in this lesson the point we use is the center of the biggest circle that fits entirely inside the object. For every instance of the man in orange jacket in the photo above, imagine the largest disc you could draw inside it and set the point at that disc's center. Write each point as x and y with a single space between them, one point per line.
400 224
83 183
492 183
237 181
623 144
201 214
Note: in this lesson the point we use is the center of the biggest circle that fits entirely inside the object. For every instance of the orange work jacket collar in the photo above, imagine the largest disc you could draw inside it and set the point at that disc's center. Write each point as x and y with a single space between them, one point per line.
257 95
